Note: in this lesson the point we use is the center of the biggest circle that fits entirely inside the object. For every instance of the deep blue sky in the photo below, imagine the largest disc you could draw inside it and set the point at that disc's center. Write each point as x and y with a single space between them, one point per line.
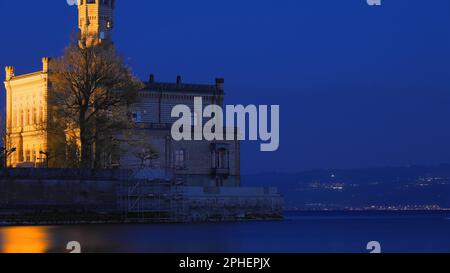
358 86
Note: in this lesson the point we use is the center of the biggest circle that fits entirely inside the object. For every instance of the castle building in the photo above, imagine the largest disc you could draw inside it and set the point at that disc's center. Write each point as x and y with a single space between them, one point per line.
27 95
26 115
199 163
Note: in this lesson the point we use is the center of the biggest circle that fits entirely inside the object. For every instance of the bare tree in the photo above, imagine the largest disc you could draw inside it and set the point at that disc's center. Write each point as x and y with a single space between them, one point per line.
91 89
3 143
6 149
146 155
137 143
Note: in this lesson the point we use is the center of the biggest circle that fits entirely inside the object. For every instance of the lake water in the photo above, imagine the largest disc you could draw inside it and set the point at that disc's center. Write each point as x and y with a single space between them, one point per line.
299 232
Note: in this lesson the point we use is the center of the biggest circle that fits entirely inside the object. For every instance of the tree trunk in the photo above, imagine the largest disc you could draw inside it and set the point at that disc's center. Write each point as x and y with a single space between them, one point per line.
85 162
97 146
97 154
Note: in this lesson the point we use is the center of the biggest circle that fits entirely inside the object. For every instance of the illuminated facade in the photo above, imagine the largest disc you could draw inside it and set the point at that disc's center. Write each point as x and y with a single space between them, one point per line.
26 116
27 95
95 19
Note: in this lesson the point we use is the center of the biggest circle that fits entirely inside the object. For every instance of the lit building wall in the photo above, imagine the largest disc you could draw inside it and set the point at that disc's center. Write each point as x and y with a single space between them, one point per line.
95 18
26 115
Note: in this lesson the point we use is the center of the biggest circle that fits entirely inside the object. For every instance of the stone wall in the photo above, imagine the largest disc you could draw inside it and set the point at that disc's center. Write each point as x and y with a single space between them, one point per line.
61 196
233 203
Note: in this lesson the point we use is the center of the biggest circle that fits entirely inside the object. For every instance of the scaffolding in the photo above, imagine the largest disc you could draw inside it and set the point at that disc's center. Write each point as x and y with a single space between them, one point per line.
153 200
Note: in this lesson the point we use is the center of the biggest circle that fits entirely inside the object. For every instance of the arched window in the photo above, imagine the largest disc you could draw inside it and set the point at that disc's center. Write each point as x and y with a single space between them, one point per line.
35 116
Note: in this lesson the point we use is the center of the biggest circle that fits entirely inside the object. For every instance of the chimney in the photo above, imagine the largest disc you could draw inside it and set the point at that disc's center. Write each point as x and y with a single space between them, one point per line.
220 83
9 72
45 62
151 78
178 80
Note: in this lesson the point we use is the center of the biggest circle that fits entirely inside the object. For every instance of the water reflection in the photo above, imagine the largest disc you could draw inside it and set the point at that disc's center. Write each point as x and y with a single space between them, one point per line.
24 239
300 233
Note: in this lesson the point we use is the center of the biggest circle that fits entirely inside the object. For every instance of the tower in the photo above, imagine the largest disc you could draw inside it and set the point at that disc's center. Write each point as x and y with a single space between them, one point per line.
95 19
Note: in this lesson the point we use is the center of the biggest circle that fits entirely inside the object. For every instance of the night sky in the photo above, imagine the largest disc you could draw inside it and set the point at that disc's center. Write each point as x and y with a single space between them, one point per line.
358 86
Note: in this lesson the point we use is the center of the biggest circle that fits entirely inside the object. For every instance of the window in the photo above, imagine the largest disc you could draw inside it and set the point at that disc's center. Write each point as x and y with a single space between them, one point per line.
222 157
28 156
22 118
28 121
35 114
136 116
180 159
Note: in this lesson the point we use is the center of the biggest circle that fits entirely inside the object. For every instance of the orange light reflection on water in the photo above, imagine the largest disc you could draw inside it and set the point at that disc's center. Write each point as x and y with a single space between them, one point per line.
24 239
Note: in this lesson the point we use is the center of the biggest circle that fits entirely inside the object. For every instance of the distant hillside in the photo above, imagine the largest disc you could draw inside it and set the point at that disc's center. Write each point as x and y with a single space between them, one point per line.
413 187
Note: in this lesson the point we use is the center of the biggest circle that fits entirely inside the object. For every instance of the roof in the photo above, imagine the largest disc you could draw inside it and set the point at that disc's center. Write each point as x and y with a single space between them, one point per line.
23 76
183 88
